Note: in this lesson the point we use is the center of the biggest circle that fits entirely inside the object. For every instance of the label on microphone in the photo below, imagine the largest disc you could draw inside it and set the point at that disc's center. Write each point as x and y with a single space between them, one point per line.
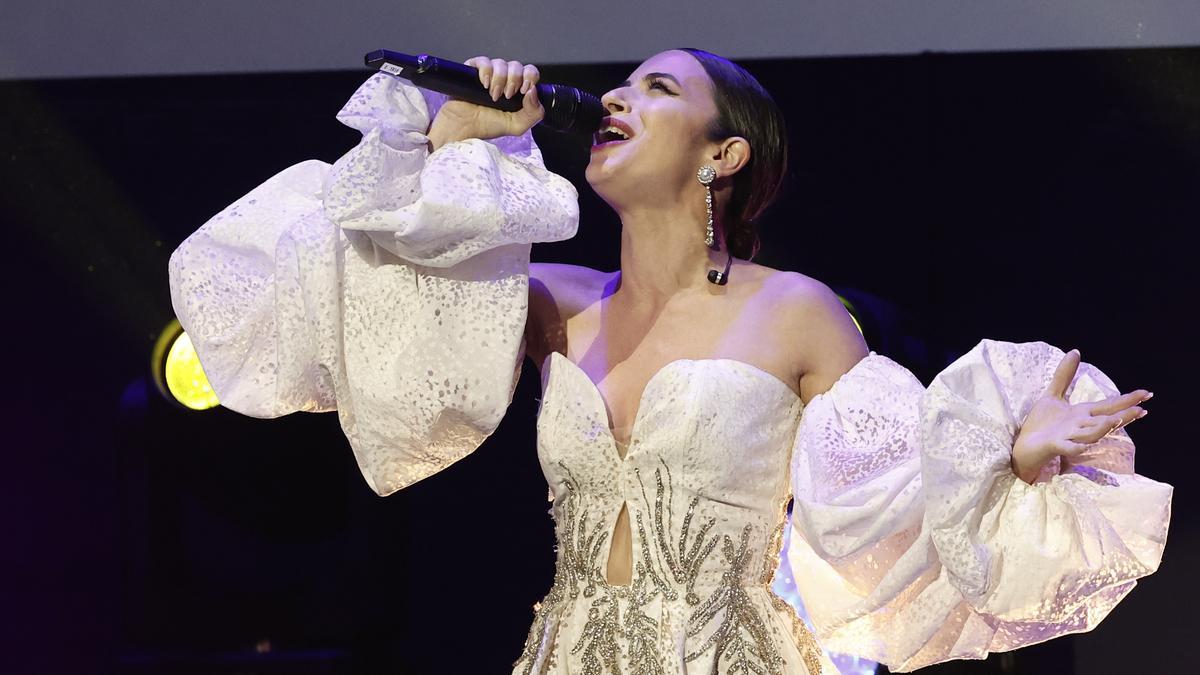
392 69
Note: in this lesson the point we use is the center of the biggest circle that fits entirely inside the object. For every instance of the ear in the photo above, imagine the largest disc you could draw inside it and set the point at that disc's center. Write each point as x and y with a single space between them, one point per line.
730 155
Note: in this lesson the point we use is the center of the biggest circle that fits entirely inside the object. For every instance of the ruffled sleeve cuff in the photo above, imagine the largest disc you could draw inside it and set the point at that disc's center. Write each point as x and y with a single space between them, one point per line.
392 286
438 209
1057 554
917 542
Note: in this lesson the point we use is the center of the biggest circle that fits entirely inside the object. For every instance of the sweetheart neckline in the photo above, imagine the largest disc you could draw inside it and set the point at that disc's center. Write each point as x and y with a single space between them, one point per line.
637 415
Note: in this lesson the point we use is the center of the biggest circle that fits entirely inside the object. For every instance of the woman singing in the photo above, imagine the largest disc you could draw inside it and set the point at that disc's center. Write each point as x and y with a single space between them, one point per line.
687 397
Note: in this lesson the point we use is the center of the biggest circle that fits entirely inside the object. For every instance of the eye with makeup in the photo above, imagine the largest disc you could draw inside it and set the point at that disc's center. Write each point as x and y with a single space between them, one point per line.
657 82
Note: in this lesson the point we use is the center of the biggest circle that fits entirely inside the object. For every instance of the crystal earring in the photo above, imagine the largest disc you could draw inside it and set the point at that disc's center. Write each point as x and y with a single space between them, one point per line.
706 174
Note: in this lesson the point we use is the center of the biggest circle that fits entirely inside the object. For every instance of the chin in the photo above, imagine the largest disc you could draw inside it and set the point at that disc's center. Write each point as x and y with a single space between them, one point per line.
595 173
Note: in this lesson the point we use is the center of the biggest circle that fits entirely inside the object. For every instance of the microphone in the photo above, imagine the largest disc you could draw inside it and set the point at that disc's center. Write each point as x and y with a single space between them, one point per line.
721 278
567 109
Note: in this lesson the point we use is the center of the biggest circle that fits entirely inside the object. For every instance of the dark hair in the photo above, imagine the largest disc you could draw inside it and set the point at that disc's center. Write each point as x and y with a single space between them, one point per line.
744 108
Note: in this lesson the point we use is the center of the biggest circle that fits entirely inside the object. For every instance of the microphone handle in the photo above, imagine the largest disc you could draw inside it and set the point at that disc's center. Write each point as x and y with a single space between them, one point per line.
567 108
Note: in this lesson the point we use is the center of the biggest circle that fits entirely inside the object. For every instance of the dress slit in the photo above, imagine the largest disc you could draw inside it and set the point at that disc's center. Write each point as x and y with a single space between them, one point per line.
618 571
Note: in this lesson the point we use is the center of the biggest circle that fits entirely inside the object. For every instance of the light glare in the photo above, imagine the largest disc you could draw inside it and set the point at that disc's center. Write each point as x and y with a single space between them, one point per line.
186 379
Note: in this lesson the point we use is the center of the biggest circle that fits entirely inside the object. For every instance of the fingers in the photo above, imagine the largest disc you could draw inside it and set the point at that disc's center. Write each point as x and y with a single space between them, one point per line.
484 65
1070 448
493 74
499 78
1116 404
1113 413
531 106
1098 427
504 78
1064 374
531 75
514 82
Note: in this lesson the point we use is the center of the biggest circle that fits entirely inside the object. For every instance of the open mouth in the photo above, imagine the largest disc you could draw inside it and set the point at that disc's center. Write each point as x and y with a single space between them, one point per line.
611 131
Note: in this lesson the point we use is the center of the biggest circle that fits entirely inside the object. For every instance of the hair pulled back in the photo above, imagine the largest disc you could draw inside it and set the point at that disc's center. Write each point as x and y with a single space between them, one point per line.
744 108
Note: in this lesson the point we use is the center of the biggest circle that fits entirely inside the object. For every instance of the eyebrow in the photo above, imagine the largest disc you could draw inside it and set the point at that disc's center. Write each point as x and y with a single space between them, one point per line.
651 76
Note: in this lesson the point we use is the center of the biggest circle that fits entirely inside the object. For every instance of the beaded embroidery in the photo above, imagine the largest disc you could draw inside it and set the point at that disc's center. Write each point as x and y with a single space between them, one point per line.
686 568
742 639
731 601
810 650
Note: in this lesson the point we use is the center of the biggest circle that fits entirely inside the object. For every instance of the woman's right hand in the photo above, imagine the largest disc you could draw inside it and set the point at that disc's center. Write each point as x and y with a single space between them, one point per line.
458 120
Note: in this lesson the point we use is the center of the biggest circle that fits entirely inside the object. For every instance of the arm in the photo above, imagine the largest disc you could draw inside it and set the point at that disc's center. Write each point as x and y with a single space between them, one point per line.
392 286
916 543
829 343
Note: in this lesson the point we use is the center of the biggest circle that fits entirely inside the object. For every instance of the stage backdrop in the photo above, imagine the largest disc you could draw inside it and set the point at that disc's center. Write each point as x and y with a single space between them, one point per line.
74 38
1015 196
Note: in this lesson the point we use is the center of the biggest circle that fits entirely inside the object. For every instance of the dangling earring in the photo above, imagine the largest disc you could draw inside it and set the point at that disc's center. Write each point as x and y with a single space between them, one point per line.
706 174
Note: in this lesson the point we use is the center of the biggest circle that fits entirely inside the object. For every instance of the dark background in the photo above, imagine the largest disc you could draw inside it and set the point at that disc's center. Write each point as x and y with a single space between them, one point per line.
1019 196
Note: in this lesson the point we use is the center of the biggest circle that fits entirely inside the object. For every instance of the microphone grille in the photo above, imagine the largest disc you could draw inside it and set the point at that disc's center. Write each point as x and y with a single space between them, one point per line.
569 109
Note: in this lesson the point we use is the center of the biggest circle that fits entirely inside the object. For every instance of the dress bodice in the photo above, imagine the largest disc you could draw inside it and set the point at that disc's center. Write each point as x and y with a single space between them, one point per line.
716 432
705 482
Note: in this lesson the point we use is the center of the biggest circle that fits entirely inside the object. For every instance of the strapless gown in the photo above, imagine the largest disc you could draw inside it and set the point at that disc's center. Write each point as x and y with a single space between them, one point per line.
705 482
392 287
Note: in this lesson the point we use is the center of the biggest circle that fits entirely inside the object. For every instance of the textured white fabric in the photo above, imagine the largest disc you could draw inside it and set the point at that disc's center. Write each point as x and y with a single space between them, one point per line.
917 542
393 287
705 481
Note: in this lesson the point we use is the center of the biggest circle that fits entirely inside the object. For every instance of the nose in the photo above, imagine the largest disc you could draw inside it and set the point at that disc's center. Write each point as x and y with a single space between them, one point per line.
612 101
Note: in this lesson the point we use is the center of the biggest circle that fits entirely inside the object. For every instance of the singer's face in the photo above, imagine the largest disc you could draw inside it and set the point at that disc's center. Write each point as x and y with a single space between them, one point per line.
665 107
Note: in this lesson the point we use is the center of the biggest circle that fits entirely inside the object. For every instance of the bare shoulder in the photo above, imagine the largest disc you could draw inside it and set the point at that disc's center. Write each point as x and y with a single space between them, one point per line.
825 341
570 288
557 292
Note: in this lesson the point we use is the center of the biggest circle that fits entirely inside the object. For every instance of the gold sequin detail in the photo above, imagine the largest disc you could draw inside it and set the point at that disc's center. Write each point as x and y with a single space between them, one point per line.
738 617
686 568
618 623
605 630
806 643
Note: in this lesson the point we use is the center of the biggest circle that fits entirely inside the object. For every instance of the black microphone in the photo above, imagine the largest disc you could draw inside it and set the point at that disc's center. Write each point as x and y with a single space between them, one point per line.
721 278
567 108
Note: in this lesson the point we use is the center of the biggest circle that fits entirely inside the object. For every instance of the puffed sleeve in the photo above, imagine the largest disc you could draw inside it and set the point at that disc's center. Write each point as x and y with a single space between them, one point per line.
391 286
914 541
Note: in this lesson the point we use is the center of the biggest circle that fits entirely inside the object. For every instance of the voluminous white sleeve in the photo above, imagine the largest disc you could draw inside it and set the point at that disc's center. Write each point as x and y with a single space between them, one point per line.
391 286
914 542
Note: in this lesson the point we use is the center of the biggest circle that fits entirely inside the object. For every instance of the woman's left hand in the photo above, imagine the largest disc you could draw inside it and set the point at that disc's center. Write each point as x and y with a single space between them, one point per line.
1055 427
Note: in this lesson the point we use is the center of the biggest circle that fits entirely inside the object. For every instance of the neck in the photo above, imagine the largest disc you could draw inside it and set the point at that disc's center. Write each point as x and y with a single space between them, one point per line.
663 254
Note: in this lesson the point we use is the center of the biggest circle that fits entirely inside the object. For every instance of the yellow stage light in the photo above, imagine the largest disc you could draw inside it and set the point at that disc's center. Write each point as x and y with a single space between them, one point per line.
177 370
850 309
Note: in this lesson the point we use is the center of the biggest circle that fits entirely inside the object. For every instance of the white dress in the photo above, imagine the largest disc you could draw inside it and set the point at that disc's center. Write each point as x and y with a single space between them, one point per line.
392 287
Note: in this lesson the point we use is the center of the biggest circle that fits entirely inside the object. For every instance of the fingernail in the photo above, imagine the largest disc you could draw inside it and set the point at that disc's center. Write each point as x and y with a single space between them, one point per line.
487 81
1149 396
525 88
1142 414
